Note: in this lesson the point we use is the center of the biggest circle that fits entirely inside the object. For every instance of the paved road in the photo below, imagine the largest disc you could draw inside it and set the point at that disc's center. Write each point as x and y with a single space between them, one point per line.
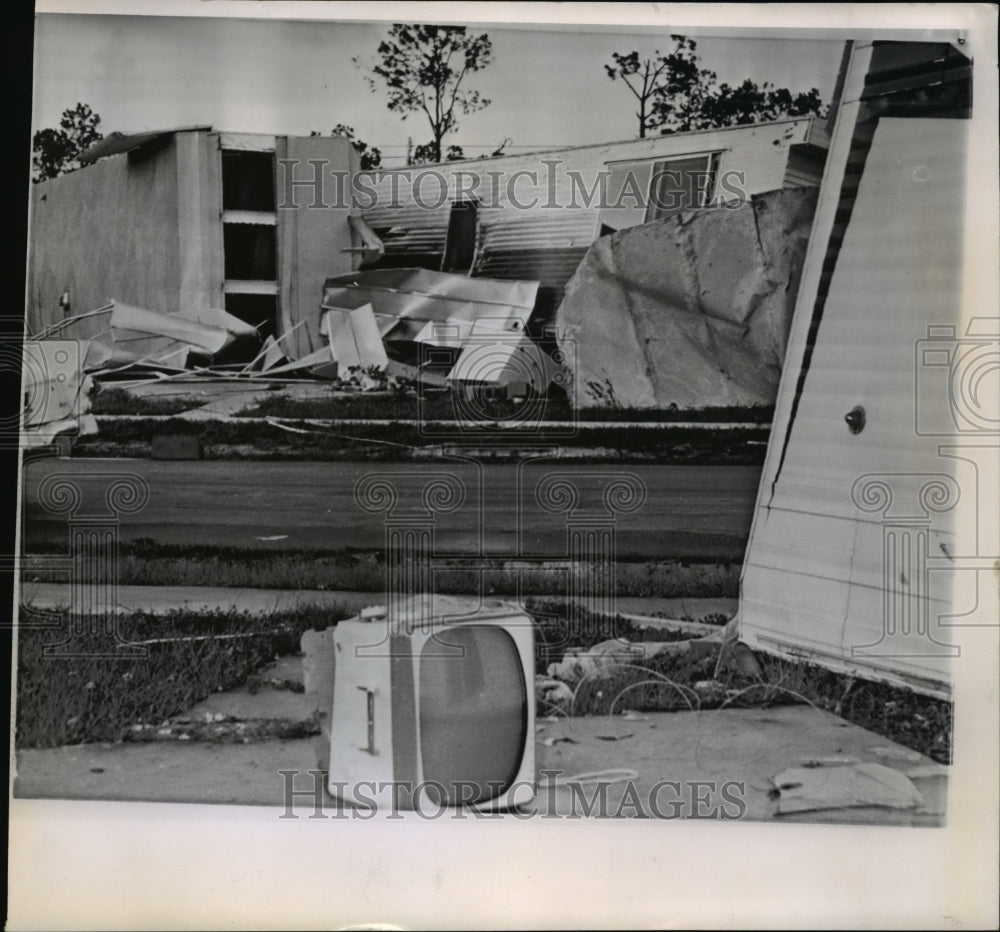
467 508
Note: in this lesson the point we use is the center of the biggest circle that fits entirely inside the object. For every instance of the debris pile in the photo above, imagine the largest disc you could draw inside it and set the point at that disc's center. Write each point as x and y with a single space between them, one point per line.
439 328
380 328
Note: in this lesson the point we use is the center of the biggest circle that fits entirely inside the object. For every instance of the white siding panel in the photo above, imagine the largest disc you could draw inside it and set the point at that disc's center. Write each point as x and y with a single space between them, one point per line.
759 153
845 557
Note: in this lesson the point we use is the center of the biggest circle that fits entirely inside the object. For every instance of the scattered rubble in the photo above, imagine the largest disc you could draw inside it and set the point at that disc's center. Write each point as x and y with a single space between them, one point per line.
224 730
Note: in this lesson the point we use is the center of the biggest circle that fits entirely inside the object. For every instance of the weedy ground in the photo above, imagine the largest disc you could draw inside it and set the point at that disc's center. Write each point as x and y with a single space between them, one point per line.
78 696
666 683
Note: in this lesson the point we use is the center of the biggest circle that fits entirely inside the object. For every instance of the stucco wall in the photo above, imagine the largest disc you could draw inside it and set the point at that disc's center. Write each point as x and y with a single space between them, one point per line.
311 240
107 231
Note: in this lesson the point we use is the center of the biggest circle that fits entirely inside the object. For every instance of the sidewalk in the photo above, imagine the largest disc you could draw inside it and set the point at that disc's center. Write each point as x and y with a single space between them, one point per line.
159 599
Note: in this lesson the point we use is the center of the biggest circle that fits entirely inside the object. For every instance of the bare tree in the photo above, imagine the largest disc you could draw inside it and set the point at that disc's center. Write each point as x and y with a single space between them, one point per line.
424 69
677 95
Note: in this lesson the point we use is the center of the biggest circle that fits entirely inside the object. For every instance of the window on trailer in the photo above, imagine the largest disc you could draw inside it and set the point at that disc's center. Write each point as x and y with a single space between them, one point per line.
680 184
639 192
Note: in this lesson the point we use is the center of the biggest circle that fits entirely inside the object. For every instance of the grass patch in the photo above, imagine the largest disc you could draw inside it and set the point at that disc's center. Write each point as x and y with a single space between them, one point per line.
85 698
441 405
405 440
118 401
145 562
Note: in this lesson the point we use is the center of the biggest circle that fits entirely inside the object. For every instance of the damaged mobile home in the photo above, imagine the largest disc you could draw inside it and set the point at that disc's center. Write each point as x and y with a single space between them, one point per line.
534 216
651 284
164 233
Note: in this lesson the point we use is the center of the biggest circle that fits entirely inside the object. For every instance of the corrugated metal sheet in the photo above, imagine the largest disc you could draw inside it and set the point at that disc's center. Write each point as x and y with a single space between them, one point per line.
545 246
410 230
540 211
848 558
433 307
527 231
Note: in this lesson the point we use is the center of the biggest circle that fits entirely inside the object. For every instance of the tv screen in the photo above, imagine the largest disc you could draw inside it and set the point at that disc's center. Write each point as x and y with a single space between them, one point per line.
473 711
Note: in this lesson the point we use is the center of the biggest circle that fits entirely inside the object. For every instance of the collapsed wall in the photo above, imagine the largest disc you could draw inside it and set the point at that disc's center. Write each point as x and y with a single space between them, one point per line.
693 310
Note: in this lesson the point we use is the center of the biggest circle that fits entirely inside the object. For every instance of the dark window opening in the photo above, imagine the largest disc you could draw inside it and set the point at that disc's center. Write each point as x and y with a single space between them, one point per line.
249 252
460 250
680 184
258 310
247 180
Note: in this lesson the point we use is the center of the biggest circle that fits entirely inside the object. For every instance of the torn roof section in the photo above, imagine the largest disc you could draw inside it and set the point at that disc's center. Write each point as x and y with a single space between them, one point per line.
116 143
433 307
475 326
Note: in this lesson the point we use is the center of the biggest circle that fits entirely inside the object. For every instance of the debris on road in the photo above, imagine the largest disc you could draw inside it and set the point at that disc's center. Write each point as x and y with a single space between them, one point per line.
225 730
802 789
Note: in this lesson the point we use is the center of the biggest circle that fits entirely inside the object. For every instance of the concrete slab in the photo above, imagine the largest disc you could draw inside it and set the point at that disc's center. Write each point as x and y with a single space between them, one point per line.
718 764
712 765
264 703
188 772
226 406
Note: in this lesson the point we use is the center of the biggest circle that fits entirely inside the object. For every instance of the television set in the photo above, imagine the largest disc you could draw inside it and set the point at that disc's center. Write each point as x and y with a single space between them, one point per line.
434 706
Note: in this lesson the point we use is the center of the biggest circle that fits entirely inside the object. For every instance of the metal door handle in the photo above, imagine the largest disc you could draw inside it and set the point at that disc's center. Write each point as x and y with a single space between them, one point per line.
370 696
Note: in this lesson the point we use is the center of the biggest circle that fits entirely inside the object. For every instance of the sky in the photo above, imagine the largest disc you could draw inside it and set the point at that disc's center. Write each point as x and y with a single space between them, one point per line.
548 86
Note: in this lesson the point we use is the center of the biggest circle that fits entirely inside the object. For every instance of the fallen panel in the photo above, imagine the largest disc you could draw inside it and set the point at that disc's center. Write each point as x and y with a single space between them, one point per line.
512 359
693 310
849 563
432 307
218 318
56 391
354 338
807 789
